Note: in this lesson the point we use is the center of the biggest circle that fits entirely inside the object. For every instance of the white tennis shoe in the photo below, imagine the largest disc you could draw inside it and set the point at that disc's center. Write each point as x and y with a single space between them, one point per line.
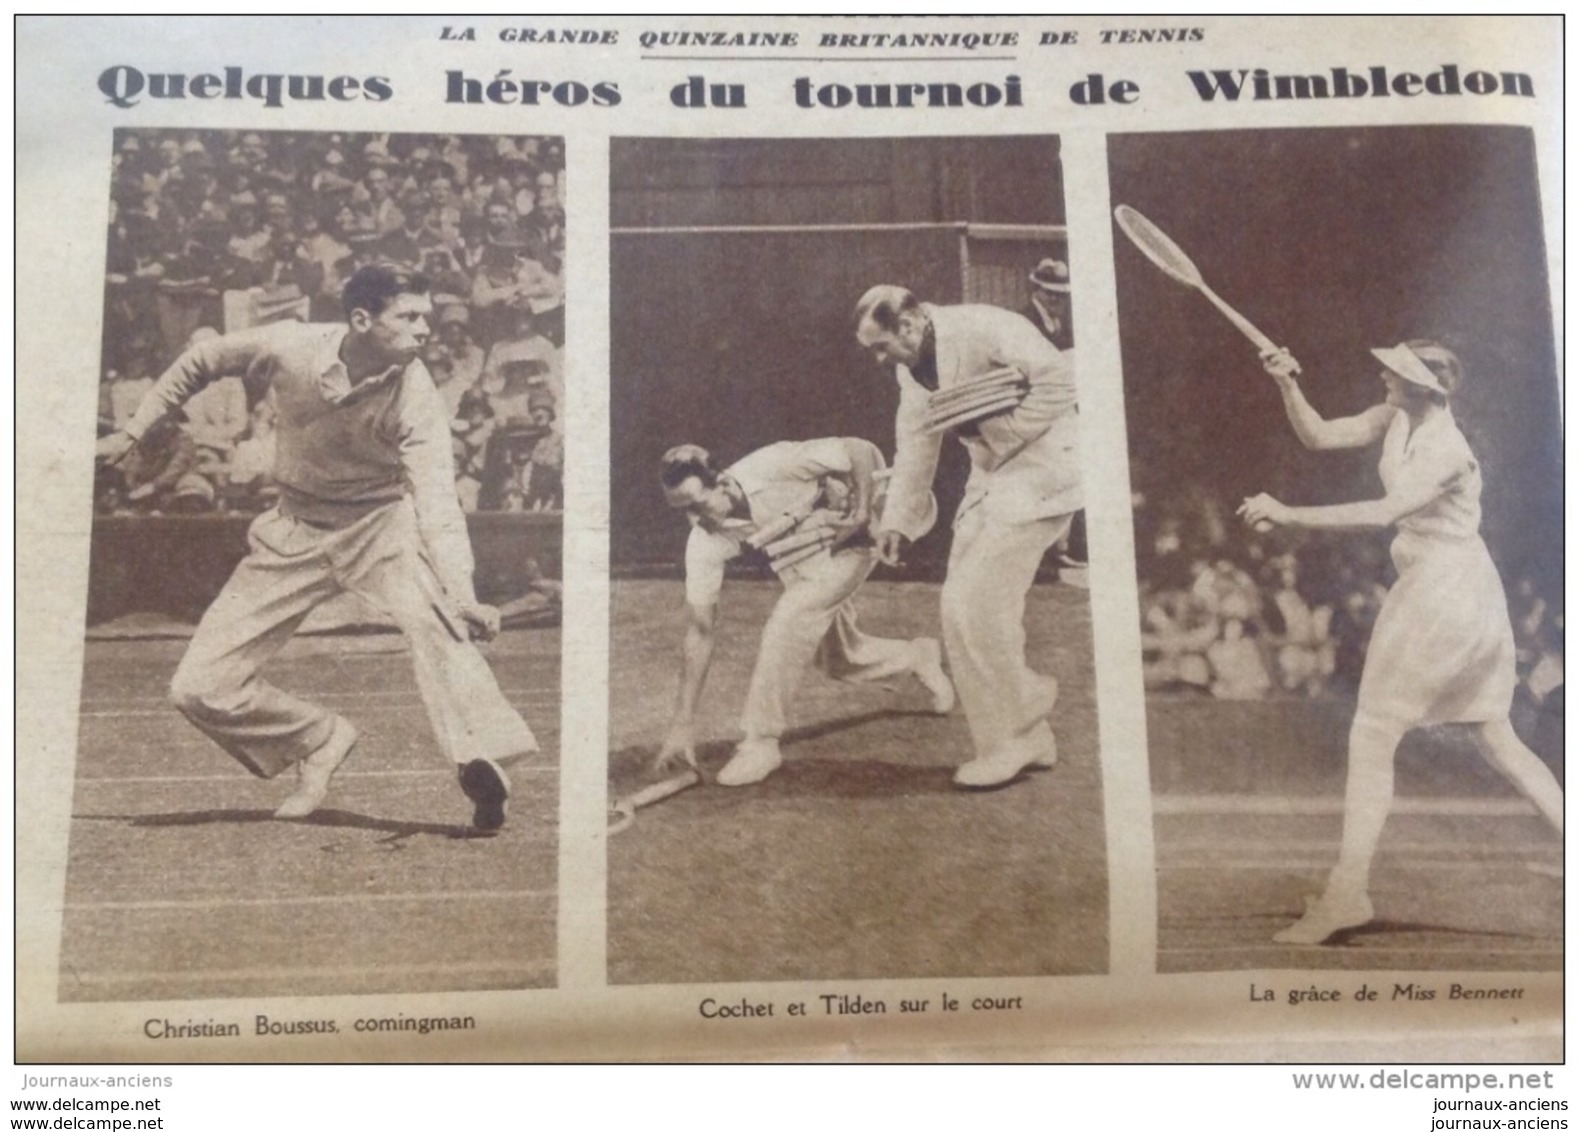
1036 749
314 772
753 760
928 669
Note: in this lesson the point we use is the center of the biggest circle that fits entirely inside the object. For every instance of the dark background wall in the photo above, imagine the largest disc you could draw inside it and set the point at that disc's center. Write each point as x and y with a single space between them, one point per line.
737 339
1332 242
669 182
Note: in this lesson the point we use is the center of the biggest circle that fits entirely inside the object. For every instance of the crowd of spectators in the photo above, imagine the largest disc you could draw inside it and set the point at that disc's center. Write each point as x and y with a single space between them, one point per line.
1234 614
216 231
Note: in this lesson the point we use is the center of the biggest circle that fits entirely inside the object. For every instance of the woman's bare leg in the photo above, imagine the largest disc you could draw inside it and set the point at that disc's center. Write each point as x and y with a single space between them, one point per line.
1504 750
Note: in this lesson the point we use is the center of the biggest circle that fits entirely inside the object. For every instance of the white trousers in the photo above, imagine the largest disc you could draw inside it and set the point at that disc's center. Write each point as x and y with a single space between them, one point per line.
814 621
991 567
292 568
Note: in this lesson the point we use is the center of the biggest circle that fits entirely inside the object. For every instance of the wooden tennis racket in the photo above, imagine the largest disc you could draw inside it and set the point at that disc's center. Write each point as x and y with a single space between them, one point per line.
622 813
1162 251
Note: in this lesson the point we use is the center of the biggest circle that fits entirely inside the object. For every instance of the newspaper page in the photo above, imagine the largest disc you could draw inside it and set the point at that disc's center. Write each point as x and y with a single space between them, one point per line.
608 538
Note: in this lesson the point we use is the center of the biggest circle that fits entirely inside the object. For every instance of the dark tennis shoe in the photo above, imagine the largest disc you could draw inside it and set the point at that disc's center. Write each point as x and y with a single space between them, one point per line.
486 785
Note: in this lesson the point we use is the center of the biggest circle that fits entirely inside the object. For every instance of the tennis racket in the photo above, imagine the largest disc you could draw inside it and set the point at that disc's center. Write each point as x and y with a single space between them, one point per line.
622 813
1162 251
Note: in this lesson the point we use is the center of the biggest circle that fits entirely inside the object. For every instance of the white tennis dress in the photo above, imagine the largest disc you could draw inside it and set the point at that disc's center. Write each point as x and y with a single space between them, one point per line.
1442 649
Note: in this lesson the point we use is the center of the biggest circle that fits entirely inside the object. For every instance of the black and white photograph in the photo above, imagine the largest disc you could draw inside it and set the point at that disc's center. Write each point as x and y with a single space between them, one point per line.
1345 441
320 696
1040 539
852 707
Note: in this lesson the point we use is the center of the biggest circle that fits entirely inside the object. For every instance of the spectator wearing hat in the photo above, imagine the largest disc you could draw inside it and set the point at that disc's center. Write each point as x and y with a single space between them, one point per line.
162 469
287 273
249 240
195 158
168 156
472 428
1048 309
376 153
509 386
195 196
545 224
330 179
250 152
453 159
406 244
188 296
523 190
140 207
515 151
463 359
545 483
500 229
445 218
199 164
325 243
418 160
129 162
278 215
279 172
495 293
451 285
518 362
508 281
475 194
358 228
375 201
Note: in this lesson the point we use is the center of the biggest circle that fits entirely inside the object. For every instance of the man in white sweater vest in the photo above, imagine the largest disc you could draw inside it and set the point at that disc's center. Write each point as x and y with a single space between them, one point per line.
367 505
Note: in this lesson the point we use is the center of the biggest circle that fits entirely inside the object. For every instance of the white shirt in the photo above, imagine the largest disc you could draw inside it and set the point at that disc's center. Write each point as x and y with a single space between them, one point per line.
781 479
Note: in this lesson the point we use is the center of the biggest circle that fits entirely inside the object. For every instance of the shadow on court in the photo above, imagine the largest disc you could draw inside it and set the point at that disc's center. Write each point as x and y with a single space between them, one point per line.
1249 811
181 884
324 818
811 777
858 858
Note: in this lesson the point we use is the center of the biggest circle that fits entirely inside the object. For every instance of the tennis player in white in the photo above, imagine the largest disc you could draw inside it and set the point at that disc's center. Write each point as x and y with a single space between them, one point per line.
814 618
1442 648
1023 491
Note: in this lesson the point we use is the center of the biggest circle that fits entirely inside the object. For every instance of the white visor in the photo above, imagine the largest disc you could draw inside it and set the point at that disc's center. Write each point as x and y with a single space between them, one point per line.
1403 361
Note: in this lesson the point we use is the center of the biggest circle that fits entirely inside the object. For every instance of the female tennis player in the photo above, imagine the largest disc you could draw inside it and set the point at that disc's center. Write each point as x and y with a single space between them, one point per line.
1442 649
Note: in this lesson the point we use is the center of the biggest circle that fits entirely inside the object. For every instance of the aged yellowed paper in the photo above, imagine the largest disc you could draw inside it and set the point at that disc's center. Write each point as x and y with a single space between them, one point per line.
616 538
